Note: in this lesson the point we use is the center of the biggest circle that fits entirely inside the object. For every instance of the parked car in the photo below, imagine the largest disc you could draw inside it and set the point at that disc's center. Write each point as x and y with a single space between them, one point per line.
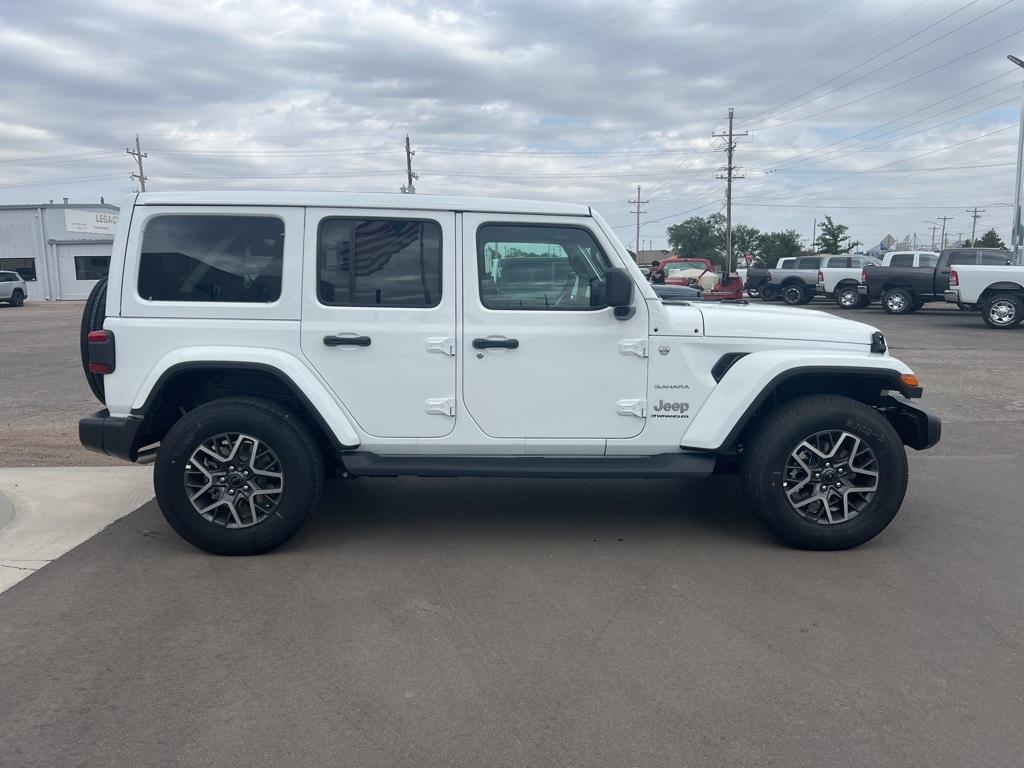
668 292
13 289
906 289
839 277
997 290
910 259
701 273
794 283
253 343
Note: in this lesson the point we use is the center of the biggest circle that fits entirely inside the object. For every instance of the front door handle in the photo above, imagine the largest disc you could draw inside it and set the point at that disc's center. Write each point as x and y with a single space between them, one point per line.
495 343
347 341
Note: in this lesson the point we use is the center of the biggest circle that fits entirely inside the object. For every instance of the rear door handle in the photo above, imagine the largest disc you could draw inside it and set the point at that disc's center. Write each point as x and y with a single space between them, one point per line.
495 343
347 341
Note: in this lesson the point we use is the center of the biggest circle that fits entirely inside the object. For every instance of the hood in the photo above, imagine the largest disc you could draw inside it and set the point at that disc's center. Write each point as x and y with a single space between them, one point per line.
768 322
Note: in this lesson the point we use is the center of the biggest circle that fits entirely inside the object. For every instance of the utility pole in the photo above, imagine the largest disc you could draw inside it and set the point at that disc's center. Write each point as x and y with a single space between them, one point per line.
915 241
638 202
730 174
934 227
975 215
944 219
814 236
408 187
138 154
1015 236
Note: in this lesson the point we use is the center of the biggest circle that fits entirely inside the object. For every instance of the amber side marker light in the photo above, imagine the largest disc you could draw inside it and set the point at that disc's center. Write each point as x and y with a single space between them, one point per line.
910 380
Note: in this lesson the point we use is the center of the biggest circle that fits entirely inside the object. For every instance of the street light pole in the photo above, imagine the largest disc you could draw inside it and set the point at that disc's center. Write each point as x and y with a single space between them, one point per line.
1018 256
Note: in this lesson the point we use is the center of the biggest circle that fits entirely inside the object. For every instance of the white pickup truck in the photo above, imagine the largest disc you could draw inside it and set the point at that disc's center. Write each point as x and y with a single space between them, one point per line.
998 290
839 276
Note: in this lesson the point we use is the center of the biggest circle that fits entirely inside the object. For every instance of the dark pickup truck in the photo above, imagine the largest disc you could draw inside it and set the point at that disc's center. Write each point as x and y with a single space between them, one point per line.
906 289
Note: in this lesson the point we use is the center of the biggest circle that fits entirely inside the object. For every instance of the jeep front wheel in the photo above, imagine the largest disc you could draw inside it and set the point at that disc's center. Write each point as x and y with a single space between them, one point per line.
238 476
824 472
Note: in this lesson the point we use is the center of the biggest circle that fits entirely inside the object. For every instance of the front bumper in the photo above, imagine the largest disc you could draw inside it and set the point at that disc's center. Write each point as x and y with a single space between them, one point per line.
953 297
918 427
113 435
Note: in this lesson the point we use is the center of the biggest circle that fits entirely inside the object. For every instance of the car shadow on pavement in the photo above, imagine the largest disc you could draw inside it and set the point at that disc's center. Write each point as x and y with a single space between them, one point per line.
464 510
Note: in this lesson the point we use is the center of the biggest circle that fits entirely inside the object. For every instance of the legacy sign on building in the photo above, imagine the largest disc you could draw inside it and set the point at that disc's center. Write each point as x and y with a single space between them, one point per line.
91 222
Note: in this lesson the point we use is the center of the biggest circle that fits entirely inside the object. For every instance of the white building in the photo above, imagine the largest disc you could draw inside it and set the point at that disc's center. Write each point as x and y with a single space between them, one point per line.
60 249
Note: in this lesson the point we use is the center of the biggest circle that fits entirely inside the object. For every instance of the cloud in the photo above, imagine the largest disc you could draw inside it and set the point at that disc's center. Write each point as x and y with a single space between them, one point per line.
575 100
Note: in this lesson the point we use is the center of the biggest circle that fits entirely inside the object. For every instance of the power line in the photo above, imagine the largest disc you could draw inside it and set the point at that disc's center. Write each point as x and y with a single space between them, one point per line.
893 61
945 64
730 174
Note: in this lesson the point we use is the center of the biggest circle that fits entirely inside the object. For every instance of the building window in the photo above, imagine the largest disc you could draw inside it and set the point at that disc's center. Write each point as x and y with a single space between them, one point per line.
24 267
91 267
379 263
212 258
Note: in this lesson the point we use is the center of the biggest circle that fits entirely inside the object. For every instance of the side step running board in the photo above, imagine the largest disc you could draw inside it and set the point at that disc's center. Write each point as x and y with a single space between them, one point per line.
690 465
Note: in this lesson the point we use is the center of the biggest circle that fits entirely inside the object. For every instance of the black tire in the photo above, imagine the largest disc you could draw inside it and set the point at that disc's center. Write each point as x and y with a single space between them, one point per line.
794 295
917 306
897 301
18 299
782 430
864 302
301 463
809 294
769 292
753 292
1003 311
93 315
847 297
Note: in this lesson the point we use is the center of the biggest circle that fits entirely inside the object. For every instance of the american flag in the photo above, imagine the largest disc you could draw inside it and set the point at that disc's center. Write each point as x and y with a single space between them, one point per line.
373 242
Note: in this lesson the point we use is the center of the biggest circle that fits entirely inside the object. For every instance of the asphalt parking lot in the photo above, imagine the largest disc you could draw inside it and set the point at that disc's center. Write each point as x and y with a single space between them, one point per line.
486 622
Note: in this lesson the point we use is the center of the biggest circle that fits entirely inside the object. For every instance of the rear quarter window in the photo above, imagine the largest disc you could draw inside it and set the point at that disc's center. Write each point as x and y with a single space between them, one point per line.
212 258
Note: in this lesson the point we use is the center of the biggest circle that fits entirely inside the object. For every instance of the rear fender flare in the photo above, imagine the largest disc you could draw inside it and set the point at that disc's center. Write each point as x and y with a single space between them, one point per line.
292 372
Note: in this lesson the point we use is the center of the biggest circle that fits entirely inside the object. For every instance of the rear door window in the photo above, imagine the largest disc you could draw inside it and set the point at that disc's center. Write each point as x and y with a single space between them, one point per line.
928 260
212 258
840 261
902 260
962 257
808 263
990 257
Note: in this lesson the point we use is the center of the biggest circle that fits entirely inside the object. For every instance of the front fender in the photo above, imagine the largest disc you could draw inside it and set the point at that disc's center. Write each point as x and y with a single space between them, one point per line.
750 380
304 382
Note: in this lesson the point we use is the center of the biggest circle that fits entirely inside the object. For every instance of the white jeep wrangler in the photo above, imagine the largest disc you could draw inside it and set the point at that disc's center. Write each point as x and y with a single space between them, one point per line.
255 342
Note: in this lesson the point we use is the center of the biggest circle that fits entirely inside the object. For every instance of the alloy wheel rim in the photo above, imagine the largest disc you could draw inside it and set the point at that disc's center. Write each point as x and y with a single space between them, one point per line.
896 302
234 480
848 298
1002 312
830 477
793 295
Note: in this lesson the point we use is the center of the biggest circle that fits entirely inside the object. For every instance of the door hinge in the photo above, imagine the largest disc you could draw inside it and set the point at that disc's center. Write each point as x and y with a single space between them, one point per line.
636 408
443 406
443 344
636 347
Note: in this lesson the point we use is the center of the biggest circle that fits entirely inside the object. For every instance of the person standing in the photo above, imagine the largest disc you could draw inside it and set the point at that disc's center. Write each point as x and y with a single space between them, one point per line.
657 276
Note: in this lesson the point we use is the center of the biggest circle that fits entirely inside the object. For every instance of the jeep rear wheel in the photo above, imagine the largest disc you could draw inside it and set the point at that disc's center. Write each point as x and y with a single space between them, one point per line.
238 476
824 472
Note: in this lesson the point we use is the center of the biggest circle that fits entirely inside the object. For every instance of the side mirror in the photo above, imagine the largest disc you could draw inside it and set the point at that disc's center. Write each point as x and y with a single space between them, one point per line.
618 293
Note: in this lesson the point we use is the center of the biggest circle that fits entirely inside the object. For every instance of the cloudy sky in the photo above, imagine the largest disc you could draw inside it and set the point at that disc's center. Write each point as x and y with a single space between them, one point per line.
885 114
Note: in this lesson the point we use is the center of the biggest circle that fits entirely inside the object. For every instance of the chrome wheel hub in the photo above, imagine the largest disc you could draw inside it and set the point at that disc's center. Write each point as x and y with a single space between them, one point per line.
234 480
1002 312
896 302
848 298
830 477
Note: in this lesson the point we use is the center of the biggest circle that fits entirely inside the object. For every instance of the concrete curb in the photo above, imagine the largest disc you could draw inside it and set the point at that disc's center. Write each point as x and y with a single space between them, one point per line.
47 511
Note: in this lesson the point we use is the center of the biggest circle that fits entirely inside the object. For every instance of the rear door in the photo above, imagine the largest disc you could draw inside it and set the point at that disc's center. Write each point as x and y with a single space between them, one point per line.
379 314
543 357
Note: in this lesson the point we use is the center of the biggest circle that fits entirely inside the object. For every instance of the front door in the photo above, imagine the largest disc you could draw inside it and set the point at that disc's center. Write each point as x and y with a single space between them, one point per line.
543 357
378 316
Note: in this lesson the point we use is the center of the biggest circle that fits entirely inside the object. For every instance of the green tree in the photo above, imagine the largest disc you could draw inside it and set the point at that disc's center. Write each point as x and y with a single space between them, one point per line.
772 246
744 238
990 239
833 238
699 237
